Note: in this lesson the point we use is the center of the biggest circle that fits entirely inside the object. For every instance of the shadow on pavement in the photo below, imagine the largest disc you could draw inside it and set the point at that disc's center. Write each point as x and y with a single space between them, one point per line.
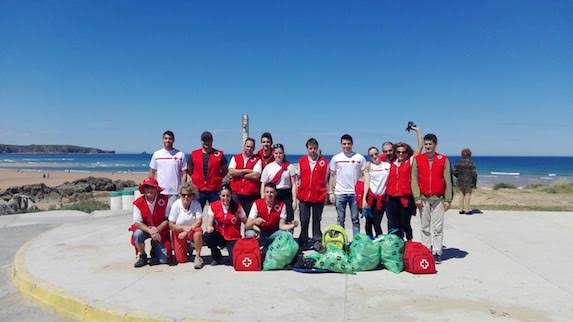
449 253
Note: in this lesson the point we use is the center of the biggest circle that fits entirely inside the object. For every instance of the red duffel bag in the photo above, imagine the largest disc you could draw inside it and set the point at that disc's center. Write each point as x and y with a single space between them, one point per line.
418 259
247 255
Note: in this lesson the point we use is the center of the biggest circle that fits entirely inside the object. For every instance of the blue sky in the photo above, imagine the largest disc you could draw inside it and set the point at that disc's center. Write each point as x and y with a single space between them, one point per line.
495 76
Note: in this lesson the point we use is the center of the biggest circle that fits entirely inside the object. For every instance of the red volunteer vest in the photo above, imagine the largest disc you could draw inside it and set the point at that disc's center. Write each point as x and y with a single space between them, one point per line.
431 179
229 226
244 186
271 219
261 155
312 186
399 181
158 215
214 178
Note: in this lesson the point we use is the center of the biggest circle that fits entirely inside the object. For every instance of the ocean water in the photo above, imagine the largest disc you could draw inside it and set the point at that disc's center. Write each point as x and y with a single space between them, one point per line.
491 169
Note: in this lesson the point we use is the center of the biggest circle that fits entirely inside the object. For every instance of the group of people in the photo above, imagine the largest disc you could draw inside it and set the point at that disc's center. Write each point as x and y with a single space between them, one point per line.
265 191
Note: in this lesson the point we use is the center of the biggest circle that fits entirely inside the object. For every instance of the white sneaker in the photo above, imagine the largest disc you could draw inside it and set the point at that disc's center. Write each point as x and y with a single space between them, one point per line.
198 262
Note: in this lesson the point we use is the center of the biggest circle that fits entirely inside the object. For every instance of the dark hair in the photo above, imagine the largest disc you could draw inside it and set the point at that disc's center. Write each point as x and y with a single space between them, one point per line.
346 137
169 133
403 145
250 139
268 136
278 146
271 185
431 137
312 141
372 147
233 206
387 143
466 153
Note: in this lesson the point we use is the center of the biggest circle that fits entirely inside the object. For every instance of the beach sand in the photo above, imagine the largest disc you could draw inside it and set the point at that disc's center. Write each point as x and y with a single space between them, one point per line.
13 178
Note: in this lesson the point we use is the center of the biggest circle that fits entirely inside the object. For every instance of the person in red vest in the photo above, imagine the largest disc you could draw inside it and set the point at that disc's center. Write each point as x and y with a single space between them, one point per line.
150 217
207 168
313 170
266 151
268 217
432 190
245 170
401 207
224 224
185 219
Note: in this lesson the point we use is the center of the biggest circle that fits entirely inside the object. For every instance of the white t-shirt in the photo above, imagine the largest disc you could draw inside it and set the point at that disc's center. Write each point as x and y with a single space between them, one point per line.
258 168
180 216
242 213
168 165
271 170
379 177
254 213
348 170
137 213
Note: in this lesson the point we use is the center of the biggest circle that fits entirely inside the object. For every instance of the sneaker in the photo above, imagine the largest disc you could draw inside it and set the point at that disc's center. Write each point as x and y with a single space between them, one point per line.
141 261
462 212
317 246
214 262
198 262
154 261
438 259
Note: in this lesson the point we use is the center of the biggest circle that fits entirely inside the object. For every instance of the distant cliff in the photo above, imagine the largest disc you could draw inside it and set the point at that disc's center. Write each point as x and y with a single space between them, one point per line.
5 148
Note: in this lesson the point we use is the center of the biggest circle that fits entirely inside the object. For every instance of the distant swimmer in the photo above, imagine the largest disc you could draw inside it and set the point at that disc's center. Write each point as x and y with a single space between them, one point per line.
168 165
433 193
465 172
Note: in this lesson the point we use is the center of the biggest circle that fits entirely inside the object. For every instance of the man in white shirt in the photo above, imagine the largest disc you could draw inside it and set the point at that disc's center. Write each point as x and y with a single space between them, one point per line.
346 168
169 166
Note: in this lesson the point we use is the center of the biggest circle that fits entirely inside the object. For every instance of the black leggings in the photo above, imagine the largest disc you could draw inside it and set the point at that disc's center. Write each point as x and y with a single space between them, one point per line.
376 219
399 216
285 195
214 240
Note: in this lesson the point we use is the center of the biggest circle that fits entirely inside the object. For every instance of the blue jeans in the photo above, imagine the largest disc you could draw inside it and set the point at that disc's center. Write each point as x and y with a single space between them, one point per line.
350 200
266 239
158 249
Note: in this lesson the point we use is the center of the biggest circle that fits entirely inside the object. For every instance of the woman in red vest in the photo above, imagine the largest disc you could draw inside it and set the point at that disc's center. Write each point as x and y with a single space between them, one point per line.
401 207
185 219
376 174
224 224
150 220
283 175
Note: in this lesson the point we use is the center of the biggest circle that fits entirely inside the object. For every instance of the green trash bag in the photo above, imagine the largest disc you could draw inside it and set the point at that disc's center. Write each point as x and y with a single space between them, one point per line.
364 254
315 256
392 251
281 252
334 260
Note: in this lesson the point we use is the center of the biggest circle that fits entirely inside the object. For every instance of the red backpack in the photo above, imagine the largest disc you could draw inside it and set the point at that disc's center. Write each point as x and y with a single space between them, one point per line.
418 259
247 255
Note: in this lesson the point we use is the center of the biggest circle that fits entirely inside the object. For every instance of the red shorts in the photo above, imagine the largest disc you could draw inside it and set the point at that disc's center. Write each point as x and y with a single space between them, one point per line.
180 246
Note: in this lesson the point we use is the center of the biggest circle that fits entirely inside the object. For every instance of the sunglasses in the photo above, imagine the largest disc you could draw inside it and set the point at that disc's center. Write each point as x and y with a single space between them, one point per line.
401 152
278 145
183 195
373 154
388 151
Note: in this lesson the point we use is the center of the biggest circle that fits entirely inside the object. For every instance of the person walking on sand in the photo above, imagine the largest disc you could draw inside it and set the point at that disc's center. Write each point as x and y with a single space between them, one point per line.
168 166
266 151
346 168
312 194
465 172
245 170
432 190
207 168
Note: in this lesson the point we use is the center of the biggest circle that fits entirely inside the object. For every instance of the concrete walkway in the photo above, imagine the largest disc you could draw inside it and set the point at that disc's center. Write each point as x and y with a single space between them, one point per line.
498 265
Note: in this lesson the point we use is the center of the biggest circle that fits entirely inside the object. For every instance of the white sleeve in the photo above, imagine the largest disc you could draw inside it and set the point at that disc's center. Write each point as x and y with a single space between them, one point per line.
153 162
184 161
283 212
363 162
291 170
332 164
258 168
254 213
174 212
137 215
210 211
233 163
264 175
196 209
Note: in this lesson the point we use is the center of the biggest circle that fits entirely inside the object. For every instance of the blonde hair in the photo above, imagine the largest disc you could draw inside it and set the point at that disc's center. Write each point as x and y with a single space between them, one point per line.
189 188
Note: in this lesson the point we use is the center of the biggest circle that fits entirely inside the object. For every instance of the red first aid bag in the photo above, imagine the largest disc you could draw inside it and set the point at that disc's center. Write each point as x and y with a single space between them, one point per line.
247 255
418 259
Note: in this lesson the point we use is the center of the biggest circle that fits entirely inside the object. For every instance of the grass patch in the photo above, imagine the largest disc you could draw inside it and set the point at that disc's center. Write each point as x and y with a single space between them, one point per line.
503 185
558 188
87 206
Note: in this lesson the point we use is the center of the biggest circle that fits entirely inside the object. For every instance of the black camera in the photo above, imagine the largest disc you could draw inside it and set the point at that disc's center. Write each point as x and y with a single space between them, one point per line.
410 126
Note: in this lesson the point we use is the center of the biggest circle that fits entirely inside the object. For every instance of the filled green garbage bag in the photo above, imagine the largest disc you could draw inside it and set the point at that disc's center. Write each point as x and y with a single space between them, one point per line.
392 251
364 254
281 252
334 260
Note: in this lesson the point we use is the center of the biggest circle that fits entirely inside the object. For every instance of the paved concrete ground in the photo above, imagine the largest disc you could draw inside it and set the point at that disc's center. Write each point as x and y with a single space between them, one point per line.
499 265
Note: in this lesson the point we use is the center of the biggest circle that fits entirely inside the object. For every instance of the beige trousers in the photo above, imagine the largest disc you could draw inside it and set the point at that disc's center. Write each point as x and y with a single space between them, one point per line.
432 219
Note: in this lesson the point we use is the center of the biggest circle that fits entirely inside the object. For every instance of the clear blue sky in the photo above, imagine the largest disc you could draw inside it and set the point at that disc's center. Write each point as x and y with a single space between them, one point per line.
495 76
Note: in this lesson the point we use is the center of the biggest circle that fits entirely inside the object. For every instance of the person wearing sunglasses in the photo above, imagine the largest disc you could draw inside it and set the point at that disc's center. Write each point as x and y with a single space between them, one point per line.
376 174
433 193
224 225
283 175
185 219
400 206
